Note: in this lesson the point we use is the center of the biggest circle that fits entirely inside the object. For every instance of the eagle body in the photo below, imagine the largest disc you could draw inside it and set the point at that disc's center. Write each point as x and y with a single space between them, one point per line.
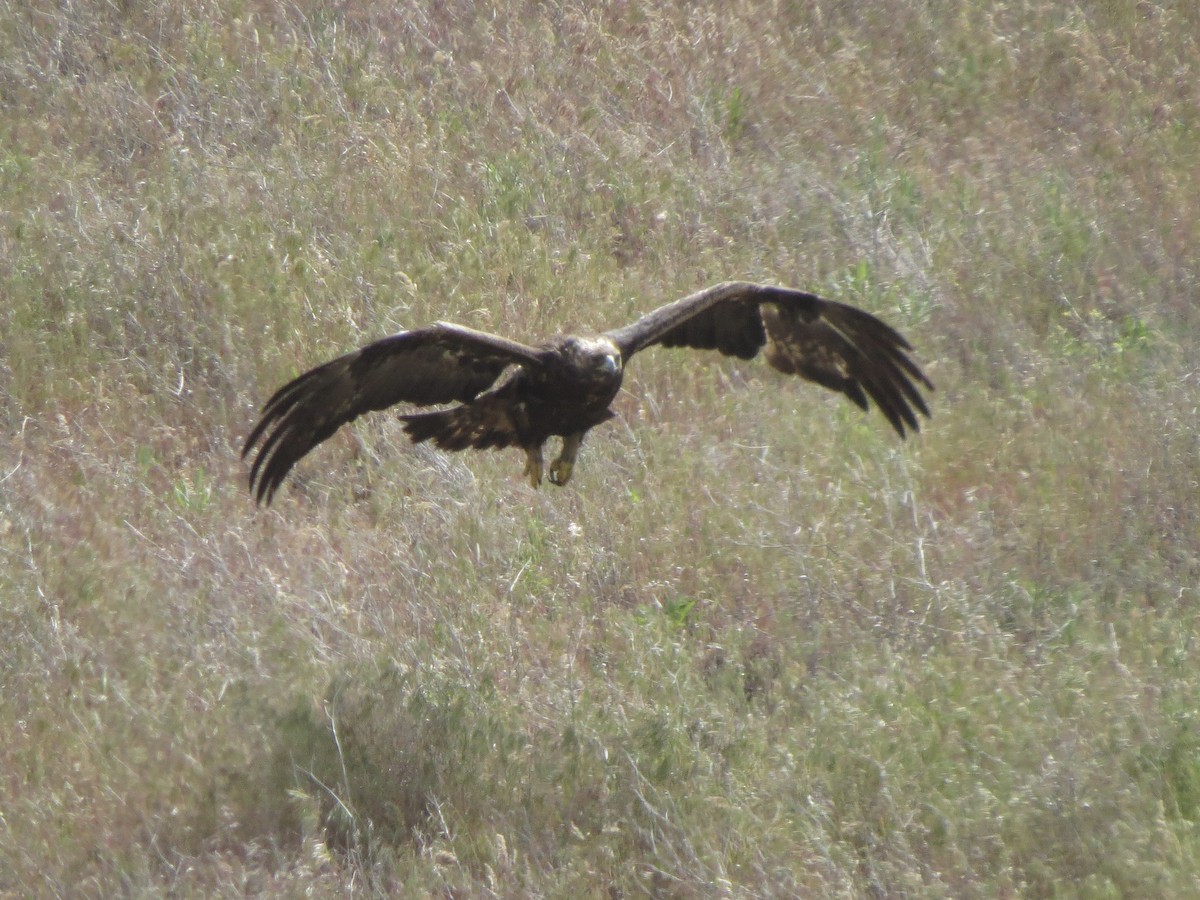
568 394
496 392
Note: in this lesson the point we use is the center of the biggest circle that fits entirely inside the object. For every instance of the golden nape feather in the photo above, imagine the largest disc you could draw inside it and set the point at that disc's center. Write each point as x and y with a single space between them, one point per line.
493 392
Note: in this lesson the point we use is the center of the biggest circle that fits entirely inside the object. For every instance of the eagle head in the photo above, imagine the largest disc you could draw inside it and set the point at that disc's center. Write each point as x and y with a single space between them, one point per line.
599 355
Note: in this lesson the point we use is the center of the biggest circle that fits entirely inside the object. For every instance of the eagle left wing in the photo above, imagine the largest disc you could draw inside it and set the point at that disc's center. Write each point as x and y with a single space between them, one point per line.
441 363
837 346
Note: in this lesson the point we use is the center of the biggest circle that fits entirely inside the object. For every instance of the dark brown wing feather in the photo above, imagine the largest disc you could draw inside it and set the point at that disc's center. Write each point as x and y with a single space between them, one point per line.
838 346
724 317
438 364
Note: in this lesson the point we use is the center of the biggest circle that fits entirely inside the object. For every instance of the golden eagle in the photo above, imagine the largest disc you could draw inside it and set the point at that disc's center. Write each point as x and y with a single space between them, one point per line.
564 386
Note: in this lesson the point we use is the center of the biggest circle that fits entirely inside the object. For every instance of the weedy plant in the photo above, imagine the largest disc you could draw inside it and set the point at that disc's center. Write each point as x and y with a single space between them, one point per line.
757 648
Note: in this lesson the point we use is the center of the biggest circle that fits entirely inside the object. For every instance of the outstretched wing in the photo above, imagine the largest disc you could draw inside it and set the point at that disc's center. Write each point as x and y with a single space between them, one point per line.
838 346
438 364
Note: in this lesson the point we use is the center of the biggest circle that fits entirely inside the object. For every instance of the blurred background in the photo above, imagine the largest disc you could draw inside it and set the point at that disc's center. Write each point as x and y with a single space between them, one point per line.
759 646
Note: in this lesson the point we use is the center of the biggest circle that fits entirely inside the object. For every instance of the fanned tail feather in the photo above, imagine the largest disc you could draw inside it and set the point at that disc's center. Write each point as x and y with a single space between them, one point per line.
479 425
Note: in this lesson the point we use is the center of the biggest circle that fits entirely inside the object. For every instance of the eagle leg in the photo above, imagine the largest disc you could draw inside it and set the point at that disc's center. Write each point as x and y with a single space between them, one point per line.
533 464
561 468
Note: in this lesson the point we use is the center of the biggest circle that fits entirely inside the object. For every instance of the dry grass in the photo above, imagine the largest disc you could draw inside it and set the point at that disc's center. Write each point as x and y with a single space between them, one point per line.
757 648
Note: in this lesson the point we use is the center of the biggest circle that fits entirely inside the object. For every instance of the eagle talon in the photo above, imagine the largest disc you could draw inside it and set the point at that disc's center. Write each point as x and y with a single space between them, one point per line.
560 471
533 466
561 468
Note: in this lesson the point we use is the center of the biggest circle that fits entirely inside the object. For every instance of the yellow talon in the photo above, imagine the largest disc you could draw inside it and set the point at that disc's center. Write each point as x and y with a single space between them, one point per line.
533 466
561 468
560 471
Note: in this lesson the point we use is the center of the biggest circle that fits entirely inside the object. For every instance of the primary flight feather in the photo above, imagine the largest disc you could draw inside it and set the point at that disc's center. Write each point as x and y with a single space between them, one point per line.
563 387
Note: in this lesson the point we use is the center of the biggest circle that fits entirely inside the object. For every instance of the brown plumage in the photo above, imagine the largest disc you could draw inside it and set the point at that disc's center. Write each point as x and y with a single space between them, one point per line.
564 386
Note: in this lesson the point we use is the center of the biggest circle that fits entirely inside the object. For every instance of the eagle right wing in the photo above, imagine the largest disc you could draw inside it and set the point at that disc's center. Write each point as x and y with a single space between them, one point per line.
840 347
441 363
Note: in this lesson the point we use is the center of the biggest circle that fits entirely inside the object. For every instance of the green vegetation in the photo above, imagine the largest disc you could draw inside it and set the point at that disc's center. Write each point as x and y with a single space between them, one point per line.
759 647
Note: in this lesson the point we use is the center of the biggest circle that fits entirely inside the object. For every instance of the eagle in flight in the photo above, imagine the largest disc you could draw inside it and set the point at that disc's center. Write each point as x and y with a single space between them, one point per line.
564 386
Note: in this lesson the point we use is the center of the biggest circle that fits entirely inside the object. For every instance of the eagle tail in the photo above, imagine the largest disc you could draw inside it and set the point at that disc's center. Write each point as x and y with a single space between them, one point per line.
480 425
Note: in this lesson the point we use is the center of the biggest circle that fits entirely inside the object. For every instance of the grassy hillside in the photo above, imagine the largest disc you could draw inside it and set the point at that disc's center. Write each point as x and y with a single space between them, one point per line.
759 647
